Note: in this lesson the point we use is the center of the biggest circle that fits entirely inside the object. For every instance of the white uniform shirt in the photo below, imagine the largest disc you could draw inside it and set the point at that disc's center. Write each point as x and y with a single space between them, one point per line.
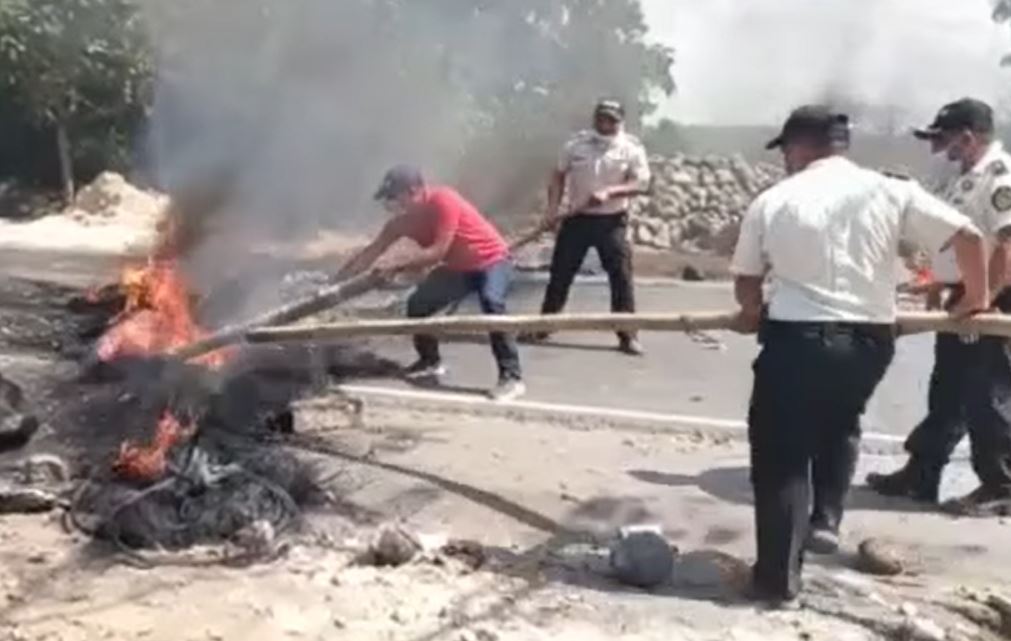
829 237
984 195
592 162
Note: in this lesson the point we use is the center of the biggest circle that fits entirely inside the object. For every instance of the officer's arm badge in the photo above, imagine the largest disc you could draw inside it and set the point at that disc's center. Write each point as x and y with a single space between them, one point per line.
1001 199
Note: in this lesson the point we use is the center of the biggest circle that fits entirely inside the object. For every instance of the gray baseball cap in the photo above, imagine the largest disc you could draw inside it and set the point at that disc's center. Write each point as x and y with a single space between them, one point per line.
398 180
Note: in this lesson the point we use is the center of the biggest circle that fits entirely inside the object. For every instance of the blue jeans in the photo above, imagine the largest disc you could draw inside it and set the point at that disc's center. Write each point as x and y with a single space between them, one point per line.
444 287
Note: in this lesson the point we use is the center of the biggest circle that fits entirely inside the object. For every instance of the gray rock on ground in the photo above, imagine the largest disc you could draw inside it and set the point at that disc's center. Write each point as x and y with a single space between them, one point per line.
394 546
642 559
21 500
17 427
879 558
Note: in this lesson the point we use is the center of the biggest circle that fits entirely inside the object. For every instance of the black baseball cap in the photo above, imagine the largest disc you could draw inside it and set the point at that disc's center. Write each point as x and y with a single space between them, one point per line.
611 108
814 121
965 114
399 180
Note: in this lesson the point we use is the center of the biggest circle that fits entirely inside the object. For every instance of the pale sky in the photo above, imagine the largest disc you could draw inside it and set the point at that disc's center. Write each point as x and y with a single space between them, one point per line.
750 61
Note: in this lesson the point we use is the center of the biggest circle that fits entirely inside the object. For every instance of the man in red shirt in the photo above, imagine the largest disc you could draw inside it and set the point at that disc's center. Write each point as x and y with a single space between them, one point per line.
466 255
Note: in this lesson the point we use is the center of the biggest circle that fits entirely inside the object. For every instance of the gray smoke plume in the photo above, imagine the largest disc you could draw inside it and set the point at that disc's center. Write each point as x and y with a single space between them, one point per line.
275 118
750 62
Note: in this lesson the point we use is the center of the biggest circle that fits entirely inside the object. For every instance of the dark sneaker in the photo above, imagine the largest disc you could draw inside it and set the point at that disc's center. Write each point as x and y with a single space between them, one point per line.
423 370
534 338
914 481
822 541
630 346
508 390
982 502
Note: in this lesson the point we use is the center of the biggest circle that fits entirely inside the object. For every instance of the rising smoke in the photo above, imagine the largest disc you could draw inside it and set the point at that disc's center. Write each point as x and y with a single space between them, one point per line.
277 117
750 62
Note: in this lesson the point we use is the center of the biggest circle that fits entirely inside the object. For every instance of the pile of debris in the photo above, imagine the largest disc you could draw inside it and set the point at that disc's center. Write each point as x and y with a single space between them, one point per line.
698 202
112 198
108 216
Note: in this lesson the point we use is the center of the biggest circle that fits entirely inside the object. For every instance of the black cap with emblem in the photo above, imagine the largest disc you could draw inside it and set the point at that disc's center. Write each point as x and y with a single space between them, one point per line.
815 122
967 114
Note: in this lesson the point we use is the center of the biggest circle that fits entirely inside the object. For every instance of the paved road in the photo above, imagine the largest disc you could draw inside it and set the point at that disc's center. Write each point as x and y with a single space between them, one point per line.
677 375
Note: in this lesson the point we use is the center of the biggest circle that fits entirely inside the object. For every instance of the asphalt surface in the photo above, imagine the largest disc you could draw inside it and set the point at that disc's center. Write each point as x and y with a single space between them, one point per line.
677 375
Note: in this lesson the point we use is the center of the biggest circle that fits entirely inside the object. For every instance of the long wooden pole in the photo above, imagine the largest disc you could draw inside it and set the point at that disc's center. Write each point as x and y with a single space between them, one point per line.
322 300
909 323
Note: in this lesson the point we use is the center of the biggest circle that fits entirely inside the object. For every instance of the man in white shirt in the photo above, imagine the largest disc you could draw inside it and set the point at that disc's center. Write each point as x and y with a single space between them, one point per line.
603 169
828 238
970 387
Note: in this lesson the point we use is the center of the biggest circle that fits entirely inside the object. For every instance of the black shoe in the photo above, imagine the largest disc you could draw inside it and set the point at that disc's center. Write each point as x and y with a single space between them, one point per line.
917 481
982 502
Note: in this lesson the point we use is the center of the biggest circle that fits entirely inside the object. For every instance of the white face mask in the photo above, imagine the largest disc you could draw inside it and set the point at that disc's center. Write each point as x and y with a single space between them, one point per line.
941 168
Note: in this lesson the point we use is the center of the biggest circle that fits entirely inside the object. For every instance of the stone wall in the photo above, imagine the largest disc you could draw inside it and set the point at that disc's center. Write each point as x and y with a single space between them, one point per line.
698 202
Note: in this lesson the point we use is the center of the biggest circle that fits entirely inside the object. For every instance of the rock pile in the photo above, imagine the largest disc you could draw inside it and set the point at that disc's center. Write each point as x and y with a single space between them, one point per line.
698 202
111 196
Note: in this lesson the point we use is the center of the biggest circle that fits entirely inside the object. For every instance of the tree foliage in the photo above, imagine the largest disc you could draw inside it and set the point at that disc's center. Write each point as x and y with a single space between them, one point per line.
80 68
482 91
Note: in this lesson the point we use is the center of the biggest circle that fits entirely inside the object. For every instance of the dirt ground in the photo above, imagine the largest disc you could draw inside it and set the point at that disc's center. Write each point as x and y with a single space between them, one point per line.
543 500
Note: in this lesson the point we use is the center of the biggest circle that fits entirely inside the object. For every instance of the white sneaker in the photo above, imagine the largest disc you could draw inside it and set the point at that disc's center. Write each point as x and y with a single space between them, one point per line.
422 370
508 390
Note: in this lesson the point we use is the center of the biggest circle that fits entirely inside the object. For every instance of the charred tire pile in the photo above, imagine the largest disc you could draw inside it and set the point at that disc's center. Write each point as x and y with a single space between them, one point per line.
232 473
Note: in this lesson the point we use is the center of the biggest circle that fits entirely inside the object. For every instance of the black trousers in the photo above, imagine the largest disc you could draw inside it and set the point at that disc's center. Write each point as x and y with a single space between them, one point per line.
970 393
608 234
812 384
443 287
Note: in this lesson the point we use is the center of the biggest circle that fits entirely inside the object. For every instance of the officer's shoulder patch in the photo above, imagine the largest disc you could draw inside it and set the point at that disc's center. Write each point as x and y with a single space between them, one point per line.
998 168
1001 198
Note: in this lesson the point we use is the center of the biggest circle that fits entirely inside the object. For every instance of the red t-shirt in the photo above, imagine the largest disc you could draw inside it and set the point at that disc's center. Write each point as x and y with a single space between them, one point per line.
476 244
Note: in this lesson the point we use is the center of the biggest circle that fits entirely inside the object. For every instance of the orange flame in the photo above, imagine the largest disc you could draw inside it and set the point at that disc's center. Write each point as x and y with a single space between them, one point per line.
157 317
150 463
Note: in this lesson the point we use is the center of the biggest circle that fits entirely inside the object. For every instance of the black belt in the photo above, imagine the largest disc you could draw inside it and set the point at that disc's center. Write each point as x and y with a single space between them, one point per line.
827 329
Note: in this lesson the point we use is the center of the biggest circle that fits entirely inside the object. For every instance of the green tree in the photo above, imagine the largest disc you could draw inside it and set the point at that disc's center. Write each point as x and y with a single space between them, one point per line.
76 66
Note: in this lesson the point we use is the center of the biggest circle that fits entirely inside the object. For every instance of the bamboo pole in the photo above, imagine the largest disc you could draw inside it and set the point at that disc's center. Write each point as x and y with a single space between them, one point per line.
907 324
324 299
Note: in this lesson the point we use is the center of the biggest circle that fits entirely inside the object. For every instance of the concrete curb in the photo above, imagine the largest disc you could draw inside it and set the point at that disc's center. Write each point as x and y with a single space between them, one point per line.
540 277
578 417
